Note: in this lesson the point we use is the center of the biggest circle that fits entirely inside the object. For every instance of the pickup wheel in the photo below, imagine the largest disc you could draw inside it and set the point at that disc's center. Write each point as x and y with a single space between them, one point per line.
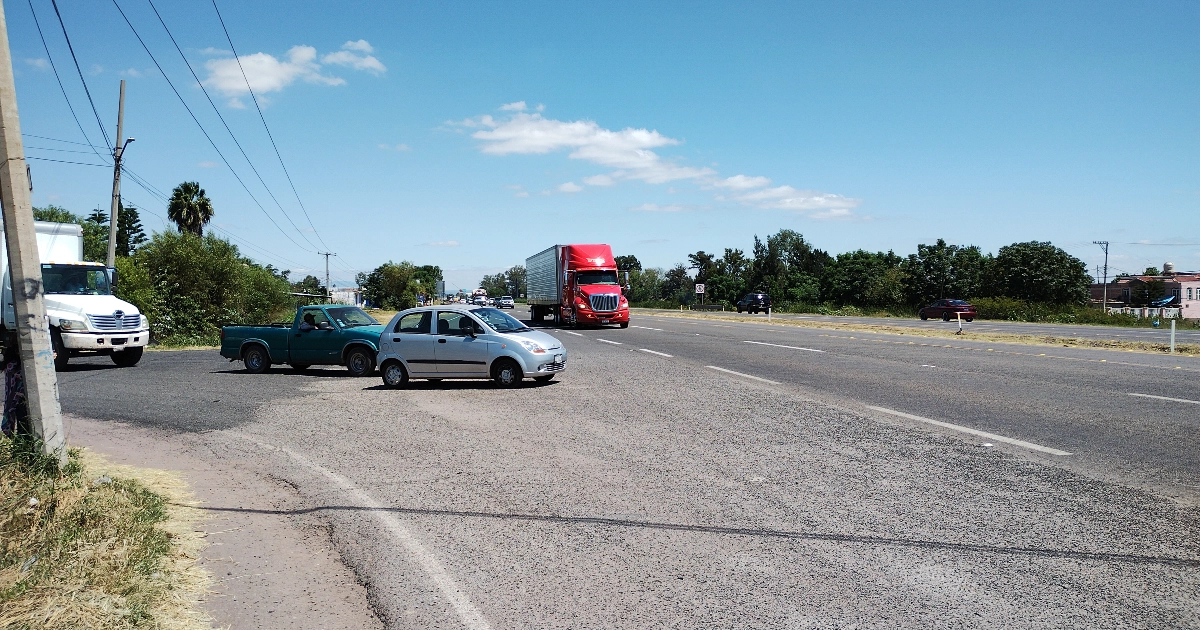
506 373
61 354
394 375
256 359
127 358
360 362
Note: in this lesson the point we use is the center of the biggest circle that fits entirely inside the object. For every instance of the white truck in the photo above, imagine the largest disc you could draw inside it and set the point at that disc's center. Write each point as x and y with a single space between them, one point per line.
85 317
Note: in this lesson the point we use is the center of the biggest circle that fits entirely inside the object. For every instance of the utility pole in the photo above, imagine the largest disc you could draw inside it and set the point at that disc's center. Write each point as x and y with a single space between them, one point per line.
1104 299
33 330
328 293
118 151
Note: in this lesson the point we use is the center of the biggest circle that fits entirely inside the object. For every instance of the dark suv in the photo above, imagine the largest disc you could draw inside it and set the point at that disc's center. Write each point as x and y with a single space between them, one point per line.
754 303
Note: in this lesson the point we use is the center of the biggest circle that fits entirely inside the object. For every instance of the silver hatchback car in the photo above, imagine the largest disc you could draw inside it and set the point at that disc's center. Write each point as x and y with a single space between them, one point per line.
463 341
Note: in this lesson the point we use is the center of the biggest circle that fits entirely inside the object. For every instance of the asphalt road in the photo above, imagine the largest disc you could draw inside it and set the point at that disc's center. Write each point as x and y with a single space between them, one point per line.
1154 335
641 490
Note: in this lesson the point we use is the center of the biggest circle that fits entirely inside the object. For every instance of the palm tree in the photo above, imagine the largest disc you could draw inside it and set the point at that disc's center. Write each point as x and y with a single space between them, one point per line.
190 208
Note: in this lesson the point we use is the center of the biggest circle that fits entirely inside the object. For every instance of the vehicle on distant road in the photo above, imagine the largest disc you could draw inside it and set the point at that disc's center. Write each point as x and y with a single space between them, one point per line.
948 310
754 303
439 342
505 301
320 335
576 285
480 300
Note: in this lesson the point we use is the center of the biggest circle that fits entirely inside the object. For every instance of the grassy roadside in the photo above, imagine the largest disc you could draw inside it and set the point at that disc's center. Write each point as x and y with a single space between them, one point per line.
1190 350
96 545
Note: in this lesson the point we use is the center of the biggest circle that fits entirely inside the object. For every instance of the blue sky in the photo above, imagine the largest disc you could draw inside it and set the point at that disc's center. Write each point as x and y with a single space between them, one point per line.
473 135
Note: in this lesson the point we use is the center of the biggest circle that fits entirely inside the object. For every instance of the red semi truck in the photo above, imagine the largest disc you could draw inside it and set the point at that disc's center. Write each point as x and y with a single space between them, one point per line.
576 285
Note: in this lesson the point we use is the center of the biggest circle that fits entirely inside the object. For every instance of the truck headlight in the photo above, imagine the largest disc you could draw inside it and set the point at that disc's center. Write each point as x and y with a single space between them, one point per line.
71 324
532 346
145 323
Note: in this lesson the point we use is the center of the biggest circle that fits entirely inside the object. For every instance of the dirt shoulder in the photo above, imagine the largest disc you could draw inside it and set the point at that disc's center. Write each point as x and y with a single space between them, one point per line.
272 565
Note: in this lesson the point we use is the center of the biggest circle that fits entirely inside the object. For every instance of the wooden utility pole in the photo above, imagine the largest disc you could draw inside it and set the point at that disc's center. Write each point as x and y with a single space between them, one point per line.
118 151
33 330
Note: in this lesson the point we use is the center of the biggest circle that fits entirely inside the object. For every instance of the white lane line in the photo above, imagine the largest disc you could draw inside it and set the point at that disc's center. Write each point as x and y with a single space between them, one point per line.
572 333
615 343
757 378
1182 400
646 328
763 343
467 612
661 354
982 434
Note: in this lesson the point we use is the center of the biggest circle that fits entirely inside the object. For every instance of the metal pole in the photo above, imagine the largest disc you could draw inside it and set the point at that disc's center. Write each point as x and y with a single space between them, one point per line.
118 150
328 293
33 331
1104 295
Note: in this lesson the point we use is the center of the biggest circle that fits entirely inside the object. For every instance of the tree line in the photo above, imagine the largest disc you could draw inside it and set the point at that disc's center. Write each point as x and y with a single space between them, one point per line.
798 275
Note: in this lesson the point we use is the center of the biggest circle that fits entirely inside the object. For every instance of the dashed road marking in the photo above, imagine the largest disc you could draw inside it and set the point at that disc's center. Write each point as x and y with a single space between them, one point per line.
982 434
661 354
646 328
615 343
573 333
749 376
1182 400
763 343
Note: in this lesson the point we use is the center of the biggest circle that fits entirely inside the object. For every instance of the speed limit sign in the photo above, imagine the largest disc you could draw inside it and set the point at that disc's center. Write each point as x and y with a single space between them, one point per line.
699 288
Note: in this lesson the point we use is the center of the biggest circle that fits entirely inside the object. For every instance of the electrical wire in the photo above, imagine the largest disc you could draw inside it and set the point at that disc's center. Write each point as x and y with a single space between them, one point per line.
62 88
226 125
202 129
103 131
30 157
263 118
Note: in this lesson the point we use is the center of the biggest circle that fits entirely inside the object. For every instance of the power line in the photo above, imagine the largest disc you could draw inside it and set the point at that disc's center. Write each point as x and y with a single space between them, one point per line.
103 131
222 119
61 88
30 157
202 129
263 118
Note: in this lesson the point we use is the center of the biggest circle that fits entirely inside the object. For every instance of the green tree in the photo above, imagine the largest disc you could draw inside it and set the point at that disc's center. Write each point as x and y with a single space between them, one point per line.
514 279
857 278
1150 271
677 286
1040 272
311 285
495 284
946 271
190 208
391 286
788 268
130 234
628 263
645 285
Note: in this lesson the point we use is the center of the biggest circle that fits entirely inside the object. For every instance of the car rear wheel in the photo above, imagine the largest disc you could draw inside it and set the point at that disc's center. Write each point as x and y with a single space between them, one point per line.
360 362
127 358
394 375
945 317
506 373
256 359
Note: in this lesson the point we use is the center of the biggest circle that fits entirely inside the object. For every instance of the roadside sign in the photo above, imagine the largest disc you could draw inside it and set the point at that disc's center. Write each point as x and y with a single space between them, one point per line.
699 288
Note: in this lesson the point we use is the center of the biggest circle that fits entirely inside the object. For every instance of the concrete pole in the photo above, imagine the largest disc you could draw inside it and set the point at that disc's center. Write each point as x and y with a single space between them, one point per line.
33 330
1172 335
111 261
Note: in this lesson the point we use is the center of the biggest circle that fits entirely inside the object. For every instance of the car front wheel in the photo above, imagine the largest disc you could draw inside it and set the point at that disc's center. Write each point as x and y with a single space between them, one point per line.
506 373
127 358
945 317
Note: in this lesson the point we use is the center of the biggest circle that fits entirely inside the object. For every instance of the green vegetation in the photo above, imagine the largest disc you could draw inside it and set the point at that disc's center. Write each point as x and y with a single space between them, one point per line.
395 286
511 282
190 208
81 549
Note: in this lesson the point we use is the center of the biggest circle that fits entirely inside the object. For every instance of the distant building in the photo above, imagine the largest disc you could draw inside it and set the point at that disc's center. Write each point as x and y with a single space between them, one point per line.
1131 291
351 296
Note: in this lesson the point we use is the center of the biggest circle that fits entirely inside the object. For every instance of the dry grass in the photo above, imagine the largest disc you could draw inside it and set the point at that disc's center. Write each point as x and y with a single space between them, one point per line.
102 546
1191 350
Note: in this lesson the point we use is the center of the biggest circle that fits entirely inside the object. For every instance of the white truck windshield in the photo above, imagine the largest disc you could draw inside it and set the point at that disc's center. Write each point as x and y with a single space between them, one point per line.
75 280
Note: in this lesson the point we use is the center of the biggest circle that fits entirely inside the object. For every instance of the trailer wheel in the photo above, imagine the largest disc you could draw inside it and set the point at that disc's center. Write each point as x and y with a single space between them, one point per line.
536 313
61 354
256 359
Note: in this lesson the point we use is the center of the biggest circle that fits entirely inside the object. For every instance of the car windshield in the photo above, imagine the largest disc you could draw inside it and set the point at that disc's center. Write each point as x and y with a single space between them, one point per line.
499 320
75 280
351 316
956 303
596 277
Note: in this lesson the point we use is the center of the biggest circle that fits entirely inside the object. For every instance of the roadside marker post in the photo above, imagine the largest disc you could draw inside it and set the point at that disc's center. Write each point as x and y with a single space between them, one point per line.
768 313
1172 336
959 317
33 328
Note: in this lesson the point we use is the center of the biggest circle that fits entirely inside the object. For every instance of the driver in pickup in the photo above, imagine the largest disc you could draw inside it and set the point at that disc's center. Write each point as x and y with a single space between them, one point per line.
309 323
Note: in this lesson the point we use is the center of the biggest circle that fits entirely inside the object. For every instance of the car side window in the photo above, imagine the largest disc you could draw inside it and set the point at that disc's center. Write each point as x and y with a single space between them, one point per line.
414 323
318 316
453 323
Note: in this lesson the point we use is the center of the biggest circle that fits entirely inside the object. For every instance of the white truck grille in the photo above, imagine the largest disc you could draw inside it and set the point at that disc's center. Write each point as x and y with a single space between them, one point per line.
110 322
605 302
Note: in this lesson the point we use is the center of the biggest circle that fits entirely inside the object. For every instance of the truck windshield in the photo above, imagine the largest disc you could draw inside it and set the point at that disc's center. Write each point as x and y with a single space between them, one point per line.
75 280
596 277
350 316
499 320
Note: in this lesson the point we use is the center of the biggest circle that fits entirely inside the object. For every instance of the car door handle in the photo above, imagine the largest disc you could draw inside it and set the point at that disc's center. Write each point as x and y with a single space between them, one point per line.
441 341
396 340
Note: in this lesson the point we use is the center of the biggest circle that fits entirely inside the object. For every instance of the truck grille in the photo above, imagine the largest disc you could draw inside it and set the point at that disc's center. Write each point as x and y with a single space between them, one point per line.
604 302
108 322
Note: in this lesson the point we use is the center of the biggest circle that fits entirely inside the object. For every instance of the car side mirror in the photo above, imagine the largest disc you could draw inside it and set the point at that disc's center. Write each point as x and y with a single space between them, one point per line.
324 326
112 278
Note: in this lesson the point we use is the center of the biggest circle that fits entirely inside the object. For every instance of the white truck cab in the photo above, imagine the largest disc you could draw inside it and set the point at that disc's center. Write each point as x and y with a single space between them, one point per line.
85 317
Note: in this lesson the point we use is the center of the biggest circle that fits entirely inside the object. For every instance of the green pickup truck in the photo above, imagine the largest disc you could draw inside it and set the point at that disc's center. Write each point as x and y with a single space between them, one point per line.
330 334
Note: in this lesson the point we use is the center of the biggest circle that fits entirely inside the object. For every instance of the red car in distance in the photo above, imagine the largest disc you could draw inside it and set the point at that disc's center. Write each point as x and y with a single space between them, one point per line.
948 310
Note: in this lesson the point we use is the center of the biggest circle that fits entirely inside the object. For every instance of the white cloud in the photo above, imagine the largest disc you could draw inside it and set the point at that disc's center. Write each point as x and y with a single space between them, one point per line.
132 73
348 57
599 180
397 147
267 73
215 52
742 182
653 207
359 45
570 187
39 63
442 244
788 198
519 106
519 195
204 164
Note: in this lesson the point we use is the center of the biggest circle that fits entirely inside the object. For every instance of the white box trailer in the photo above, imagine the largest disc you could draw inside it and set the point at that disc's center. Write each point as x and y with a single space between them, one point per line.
85 317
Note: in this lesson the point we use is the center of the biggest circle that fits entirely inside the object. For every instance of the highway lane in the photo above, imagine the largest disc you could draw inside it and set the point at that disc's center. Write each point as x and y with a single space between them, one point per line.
1153 335
1077 400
